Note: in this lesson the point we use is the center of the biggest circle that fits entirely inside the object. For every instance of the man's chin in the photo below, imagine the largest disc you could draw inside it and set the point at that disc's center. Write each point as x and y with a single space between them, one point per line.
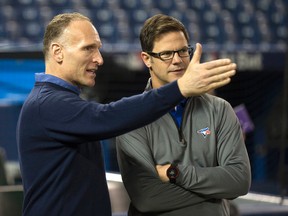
176 76
89 84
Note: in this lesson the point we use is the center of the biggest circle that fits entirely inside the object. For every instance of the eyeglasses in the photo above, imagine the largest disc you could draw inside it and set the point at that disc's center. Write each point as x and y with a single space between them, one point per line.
169 54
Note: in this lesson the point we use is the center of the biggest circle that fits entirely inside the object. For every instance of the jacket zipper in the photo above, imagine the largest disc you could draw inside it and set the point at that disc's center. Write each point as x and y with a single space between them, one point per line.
179 129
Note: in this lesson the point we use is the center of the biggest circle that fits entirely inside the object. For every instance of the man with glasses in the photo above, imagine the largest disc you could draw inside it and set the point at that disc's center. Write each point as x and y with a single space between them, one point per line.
192 160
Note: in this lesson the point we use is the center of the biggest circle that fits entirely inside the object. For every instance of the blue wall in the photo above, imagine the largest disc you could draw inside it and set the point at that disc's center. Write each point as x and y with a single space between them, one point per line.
16 81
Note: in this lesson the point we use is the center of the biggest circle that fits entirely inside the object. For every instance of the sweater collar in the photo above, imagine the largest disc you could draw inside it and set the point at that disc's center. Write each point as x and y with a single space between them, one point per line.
42 77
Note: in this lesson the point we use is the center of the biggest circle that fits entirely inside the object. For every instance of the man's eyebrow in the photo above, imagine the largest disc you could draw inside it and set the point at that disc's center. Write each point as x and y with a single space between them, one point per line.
90 45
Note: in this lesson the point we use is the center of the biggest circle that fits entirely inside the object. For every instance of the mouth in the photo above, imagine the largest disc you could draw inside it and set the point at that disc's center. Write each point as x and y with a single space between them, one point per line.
92 71
180 70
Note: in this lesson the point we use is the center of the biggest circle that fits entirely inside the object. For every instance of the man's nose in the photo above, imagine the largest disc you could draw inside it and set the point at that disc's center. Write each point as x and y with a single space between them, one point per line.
98 58
176 57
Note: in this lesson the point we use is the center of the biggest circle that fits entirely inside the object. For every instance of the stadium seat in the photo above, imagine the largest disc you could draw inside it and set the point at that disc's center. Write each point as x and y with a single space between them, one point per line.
119 21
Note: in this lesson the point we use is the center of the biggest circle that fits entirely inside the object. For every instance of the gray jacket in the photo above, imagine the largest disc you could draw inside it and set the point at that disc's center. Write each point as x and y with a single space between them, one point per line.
211 153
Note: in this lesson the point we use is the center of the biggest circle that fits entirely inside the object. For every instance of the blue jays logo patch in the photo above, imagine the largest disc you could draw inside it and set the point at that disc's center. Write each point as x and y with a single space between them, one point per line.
204 132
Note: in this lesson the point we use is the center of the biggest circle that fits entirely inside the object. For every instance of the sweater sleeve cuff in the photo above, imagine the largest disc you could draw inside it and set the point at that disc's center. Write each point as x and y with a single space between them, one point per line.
172 91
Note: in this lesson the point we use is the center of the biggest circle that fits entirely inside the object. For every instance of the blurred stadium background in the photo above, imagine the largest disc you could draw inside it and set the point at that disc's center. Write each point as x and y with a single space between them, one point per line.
253 33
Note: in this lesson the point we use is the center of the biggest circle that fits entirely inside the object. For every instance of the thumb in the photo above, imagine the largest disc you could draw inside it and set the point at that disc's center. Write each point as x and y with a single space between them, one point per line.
197 54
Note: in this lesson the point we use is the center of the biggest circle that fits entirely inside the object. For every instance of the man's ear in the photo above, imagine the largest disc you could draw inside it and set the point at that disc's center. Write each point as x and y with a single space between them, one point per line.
146 59
57 52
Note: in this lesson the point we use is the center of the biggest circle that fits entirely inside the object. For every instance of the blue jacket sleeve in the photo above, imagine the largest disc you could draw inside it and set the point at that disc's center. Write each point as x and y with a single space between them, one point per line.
69 118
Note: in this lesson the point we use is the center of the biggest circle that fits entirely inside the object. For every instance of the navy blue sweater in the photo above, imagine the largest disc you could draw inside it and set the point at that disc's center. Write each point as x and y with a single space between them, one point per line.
60 157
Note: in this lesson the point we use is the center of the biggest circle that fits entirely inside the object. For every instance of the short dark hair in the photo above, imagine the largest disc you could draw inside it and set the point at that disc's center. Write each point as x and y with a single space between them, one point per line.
157 25
56 27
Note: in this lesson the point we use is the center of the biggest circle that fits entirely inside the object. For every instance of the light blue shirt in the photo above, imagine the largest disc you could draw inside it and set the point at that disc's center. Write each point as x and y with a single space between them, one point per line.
42 77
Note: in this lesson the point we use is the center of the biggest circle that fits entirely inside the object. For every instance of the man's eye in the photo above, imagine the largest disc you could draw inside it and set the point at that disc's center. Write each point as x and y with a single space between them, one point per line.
185 50
89 48
166 54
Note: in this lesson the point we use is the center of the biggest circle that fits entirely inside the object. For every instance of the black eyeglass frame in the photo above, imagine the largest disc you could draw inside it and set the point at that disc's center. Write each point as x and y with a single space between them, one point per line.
190 50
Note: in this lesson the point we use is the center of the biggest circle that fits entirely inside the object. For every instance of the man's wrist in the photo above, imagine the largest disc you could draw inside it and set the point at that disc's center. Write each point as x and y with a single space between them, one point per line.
173 173
181 87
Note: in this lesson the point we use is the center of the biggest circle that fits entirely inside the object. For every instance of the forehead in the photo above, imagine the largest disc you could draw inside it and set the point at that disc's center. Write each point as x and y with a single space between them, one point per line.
82 31
170 41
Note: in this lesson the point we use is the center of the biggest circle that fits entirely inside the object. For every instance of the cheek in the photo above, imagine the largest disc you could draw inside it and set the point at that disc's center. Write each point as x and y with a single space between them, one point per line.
159 68
77 66
187 62
70 61
161 73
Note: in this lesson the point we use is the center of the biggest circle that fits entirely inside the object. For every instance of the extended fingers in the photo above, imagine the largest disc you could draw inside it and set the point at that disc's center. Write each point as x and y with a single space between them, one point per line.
220 77
219 84
216 63
223 69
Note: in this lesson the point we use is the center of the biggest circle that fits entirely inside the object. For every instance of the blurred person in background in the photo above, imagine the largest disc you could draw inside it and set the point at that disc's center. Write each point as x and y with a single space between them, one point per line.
192 160
58 133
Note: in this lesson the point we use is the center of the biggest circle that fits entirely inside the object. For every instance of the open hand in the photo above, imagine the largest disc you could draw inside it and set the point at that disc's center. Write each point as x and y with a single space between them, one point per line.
200 78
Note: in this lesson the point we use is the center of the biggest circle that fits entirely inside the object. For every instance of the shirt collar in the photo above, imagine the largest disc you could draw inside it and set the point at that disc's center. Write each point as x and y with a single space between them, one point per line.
42 77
